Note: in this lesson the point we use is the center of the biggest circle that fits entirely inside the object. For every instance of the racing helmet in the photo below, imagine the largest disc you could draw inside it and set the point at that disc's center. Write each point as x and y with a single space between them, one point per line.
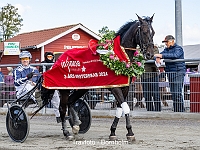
24 54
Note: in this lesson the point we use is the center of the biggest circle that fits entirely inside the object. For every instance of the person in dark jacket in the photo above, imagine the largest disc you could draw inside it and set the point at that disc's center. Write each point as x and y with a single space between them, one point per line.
150 85
49 57
175 70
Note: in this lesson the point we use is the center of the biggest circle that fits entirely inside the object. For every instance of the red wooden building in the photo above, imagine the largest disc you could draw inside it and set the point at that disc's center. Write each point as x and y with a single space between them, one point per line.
56 40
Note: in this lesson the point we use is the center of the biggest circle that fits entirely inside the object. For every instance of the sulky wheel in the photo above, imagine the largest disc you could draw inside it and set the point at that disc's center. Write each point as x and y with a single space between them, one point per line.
17 123
84 114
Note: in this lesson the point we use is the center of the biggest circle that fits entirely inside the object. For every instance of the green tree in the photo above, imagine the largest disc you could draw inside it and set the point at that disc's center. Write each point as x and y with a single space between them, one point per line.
106 35
10 22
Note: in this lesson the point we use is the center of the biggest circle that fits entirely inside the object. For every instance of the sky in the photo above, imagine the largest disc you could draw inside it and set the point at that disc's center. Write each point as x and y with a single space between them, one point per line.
94 14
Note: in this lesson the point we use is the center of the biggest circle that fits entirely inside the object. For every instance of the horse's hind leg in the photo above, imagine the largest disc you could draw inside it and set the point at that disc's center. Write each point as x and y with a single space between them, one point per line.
76 121
63 108
73 98
65 131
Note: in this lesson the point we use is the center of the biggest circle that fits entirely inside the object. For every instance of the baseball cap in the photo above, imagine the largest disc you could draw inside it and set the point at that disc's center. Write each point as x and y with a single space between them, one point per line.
167 38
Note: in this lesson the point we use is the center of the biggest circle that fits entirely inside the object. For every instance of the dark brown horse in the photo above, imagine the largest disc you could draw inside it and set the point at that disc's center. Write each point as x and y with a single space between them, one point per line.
132 34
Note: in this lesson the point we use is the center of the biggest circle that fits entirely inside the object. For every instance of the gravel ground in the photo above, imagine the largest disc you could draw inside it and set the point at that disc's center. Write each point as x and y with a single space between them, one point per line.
154 133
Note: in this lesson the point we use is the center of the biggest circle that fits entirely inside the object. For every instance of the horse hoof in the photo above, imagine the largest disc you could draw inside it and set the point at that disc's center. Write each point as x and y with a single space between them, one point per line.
75 129
70 138
130 138
113 138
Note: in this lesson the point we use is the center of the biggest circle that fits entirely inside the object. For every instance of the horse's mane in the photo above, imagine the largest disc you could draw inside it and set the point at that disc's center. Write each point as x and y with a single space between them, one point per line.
124 28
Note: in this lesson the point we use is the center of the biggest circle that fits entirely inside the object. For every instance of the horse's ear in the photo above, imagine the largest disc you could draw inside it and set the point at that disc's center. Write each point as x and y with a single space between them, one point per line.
139 18
152 17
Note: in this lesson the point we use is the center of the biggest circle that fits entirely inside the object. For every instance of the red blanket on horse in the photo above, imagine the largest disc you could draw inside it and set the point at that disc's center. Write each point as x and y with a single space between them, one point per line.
80 69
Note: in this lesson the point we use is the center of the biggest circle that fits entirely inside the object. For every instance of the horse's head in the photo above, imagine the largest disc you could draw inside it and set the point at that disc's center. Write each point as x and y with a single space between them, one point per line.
145 36
138 33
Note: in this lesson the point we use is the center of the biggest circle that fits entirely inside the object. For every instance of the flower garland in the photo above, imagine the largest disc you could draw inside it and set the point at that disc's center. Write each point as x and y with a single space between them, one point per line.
134 69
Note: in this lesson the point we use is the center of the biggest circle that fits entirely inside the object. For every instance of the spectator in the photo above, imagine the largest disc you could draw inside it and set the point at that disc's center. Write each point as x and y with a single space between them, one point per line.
49 57
175 70
9 82
22 75
1 80
150 86
10 71
9 78
1 77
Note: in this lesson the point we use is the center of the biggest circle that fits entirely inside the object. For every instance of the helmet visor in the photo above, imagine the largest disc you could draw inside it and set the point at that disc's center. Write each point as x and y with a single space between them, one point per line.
25 58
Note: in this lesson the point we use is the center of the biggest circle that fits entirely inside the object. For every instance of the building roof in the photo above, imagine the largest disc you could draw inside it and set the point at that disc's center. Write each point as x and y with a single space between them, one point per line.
40 38
192 51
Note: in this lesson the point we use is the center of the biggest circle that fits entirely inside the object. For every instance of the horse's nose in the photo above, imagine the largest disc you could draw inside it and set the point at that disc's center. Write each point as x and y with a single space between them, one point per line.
148 56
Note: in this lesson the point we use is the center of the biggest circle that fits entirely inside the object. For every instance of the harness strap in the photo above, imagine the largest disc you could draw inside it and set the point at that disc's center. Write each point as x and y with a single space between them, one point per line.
130 48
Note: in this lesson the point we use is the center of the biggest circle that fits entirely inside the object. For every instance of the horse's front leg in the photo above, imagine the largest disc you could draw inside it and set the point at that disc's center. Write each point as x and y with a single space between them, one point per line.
122 107
113 127
117 92
63 108
126 110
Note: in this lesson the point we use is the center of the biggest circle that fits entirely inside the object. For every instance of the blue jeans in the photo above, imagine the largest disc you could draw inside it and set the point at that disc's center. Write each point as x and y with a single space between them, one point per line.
151 89
176 85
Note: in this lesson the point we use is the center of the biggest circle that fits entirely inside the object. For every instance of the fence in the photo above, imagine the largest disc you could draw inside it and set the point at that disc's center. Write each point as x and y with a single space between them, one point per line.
156 97
104 99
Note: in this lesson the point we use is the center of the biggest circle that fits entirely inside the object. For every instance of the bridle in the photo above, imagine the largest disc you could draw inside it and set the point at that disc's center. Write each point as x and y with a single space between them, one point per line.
144 46
140 33
139 38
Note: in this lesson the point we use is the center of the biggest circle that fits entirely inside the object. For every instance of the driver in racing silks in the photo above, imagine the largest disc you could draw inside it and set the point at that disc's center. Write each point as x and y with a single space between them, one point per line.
49 57
24 80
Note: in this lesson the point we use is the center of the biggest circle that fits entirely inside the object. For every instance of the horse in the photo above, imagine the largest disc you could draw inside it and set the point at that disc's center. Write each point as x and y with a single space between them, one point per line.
132 34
